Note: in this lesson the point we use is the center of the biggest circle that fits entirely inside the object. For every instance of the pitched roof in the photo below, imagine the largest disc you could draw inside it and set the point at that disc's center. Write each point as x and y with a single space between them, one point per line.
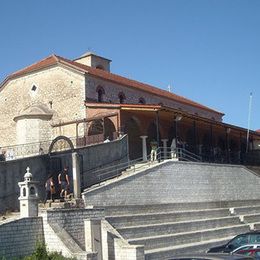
54 59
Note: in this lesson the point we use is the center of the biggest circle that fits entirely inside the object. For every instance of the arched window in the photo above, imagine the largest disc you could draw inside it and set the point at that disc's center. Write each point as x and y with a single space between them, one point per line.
141 100
100 92
121 97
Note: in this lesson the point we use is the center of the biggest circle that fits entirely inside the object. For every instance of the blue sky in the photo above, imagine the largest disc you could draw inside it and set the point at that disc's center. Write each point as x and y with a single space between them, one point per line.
207 50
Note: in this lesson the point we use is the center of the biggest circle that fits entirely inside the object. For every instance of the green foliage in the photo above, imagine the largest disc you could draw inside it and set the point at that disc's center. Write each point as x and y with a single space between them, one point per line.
41 253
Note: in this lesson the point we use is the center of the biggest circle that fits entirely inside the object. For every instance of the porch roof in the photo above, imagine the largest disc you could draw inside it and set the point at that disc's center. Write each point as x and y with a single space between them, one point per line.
161 108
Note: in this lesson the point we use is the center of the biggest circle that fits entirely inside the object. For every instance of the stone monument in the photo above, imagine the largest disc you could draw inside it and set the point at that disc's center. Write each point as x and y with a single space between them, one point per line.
28 196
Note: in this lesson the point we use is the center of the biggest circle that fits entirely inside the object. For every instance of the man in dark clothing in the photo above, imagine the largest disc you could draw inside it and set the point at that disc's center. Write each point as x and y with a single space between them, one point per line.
64 183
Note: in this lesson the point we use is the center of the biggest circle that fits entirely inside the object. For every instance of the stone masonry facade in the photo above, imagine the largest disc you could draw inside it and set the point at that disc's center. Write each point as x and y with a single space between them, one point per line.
62 90
59 89
112 90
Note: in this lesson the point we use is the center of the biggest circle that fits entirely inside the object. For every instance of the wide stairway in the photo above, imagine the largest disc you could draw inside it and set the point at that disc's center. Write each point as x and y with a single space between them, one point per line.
167 230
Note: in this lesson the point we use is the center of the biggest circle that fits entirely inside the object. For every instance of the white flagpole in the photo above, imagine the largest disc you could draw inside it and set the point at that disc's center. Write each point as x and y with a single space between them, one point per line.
248 121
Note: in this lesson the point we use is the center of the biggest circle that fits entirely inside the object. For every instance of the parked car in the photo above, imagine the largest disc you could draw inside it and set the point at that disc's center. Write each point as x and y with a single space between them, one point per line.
248 250
240 240
212 256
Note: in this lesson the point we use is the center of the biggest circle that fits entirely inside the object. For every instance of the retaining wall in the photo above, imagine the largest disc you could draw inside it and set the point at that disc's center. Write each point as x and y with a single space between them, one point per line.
178 182
91 157
19 237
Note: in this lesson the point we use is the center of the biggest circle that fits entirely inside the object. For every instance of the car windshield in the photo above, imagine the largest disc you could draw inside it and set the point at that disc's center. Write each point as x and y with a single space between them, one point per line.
238 241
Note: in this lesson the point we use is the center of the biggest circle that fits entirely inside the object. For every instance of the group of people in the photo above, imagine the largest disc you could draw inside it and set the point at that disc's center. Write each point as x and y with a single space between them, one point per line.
63 186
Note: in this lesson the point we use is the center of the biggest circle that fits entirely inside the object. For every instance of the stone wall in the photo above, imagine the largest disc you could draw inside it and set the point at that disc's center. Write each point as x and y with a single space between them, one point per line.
60 89
72 220
91 158
133 95
19 237
178 182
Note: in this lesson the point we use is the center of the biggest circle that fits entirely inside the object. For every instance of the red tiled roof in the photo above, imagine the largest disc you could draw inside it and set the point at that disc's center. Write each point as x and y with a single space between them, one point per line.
54 59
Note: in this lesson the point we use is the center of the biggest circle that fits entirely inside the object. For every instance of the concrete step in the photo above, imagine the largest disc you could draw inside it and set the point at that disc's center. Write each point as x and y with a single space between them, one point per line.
156 218
172 251
257 226
188 237
251 218
176 227
169 207
247 210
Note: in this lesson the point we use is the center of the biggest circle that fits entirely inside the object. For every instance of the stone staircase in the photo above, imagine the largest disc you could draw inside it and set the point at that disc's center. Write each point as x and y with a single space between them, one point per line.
166 230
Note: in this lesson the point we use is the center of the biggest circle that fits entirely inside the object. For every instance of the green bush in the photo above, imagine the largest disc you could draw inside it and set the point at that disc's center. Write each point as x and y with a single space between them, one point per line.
41 253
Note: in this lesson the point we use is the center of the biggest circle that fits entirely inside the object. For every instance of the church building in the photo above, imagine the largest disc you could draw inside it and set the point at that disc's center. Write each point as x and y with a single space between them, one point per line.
83 101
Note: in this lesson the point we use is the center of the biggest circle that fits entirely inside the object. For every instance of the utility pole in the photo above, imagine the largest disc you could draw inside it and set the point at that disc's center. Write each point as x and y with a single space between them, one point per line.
248 121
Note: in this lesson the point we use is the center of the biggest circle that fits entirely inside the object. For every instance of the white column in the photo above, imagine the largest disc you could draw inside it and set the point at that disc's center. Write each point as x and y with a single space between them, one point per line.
93 239
143 137
164 148
76 176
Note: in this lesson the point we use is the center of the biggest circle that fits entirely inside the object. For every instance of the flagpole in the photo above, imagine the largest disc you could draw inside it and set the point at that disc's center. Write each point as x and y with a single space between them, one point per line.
248 121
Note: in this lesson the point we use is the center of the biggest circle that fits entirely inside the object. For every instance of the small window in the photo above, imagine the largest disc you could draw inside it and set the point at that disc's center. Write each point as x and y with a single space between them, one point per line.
121 97
100 92
34 88
141 100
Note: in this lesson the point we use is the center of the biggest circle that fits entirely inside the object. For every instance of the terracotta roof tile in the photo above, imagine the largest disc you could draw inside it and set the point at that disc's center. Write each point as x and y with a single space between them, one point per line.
54 59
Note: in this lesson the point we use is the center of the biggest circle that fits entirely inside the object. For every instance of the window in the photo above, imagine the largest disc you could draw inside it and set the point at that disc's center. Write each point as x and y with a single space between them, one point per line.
100 92
100 67
121 97
141 100
34 88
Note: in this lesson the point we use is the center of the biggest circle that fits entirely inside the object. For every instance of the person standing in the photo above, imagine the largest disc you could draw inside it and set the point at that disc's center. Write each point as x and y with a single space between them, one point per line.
153 150
49 190
63 179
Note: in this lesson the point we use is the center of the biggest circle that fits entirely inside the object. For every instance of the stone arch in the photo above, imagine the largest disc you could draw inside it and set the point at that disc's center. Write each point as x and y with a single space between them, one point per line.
133 130
61 141
109 128
96 127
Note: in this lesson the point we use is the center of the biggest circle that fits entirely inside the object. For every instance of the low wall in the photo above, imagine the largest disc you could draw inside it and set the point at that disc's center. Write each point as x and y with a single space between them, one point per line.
178 182
72 220
18 238
91 157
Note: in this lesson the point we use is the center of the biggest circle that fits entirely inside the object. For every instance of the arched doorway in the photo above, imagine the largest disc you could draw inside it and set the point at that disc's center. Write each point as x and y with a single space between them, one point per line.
132 128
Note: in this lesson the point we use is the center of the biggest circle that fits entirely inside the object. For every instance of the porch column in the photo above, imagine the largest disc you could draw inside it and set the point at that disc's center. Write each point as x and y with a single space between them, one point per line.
157 129
164 148
143 137
76 176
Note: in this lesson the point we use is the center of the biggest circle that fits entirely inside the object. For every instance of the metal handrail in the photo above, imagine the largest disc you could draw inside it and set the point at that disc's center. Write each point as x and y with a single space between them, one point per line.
116 170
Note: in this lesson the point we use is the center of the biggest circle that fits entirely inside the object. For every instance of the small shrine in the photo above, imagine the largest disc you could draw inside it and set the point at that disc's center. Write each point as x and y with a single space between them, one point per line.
28 196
